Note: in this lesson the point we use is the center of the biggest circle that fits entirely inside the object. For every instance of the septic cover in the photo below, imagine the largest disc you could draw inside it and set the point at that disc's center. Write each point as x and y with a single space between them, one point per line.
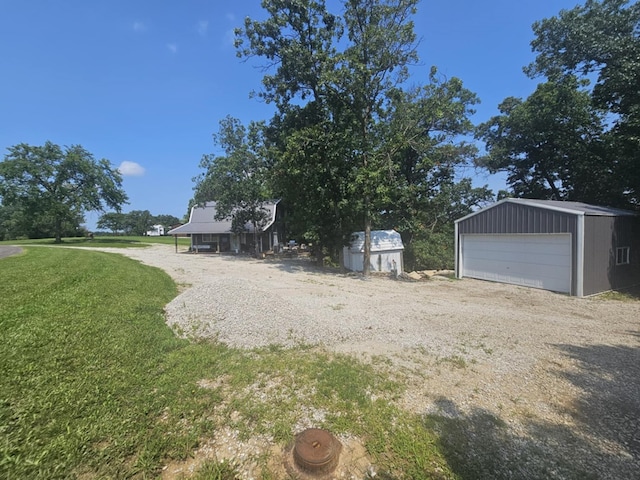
316 452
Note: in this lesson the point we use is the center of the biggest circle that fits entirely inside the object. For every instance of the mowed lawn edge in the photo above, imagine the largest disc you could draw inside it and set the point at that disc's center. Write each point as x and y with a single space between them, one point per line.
95 385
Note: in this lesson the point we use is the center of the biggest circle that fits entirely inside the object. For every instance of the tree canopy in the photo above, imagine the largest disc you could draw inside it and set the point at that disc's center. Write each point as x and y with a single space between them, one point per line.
48 189
552 146
600 41
347 123
236 181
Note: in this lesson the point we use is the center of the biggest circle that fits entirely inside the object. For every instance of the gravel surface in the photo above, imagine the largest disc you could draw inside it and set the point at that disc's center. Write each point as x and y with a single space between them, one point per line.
8 251
533 383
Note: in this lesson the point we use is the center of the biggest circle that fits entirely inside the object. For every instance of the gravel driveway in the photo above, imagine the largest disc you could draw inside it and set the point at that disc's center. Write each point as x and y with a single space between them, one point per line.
8 251
539 385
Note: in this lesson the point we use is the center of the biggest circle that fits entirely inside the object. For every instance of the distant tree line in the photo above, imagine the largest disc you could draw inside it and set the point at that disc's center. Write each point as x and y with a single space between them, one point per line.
136 222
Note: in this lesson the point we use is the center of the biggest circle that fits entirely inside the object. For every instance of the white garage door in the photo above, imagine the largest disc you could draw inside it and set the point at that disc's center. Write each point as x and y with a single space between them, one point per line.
539 261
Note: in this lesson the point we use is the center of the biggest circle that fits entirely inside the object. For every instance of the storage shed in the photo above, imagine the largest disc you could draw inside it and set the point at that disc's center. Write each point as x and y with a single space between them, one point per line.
567 247
386 252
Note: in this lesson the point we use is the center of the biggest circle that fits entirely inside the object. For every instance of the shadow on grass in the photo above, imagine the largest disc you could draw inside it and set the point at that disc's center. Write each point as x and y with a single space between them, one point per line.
97 242
601 442
629 294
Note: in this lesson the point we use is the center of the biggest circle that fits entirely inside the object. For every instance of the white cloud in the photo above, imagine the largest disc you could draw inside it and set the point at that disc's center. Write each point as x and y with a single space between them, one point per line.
131 169
173 48
139 27
202 27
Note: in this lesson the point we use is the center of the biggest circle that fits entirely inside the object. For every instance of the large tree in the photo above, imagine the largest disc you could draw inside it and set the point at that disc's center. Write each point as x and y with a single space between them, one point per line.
306 137
551 145
334 98
425 140
114 221
601 40
236 180
48 182
373 67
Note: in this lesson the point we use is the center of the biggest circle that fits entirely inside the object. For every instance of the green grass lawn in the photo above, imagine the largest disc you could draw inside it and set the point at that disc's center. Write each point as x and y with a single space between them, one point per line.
95 385
115 241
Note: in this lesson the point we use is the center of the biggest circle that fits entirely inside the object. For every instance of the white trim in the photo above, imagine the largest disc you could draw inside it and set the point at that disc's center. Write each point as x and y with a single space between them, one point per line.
626 258
456 267
580 256
523 201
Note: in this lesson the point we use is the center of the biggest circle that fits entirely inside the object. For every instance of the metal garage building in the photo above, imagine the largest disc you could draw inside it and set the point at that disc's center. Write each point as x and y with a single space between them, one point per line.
567 247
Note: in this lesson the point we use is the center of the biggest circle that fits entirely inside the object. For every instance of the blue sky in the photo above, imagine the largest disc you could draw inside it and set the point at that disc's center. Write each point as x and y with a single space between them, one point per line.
145 83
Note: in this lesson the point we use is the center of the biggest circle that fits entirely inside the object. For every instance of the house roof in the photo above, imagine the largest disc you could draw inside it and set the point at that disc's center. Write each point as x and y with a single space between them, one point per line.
574 208
381 240
202 220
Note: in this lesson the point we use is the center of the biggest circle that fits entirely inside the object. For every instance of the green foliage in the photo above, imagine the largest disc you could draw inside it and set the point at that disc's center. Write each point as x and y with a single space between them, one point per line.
348 141
136 222
434 251
48 189
600 40
551 145
424 140
114 221
236 181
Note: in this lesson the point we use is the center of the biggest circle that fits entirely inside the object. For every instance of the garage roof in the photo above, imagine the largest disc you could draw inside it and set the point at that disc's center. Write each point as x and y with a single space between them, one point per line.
575 208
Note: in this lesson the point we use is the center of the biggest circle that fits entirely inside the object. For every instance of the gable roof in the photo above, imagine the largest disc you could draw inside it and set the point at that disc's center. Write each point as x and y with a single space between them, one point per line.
202 220
573 208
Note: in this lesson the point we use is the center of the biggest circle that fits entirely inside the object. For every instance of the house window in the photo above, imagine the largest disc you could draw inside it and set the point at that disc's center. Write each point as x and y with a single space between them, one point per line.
622 255
207 237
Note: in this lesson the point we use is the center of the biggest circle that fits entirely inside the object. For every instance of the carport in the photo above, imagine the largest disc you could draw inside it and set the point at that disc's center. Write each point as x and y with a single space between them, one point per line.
566 247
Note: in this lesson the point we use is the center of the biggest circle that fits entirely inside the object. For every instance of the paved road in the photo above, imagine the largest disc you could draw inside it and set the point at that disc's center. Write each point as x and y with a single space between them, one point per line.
6 251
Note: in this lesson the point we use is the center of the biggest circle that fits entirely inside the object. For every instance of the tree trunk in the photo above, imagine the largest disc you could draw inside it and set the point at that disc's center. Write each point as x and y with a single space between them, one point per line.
58 228
366 265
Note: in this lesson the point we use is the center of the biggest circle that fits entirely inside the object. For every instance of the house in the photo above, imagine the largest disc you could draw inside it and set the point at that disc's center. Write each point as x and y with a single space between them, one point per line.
211 235
386 252
566 247
156 231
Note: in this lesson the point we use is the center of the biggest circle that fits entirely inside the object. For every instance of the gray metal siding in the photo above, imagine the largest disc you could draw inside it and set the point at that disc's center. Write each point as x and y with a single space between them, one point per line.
598 256
603 235
509 218
514 218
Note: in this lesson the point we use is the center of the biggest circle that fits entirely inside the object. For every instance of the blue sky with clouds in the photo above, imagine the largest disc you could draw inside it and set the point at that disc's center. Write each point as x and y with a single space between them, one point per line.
145 83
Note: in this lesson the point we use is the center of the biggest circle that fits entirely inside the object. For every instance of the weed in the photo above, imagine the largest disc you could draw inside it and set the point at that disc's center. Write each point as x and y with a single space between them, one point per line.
455 361
214 470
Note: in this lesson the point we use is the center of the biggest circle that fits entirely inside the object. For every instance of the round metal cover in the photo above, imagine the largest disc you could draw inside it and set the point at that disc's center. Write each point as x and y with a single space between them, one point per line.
316 451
